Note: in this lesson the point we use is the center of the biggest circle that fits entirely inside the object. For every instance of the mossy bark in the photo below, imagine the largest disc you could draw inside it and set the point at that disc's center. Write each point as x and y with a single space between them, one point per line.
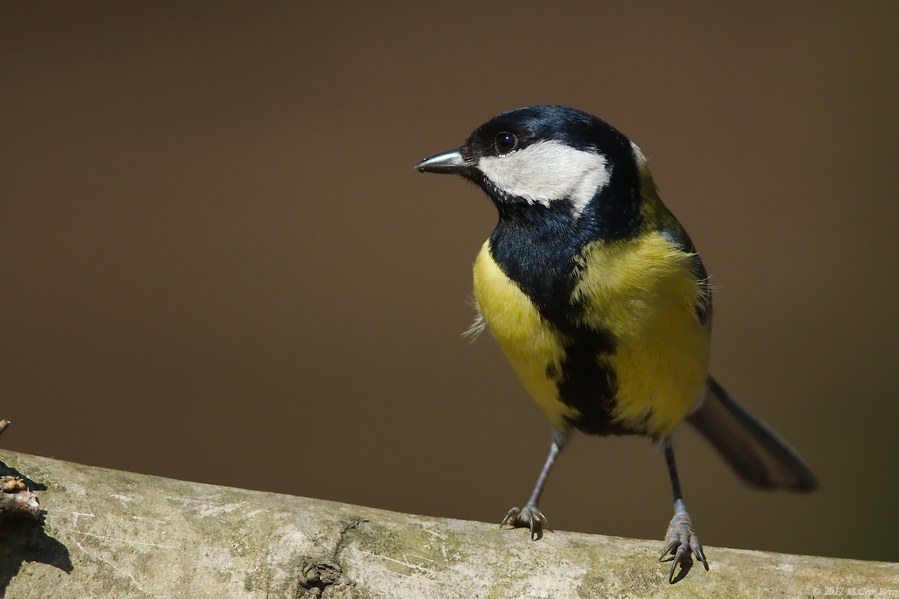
107 533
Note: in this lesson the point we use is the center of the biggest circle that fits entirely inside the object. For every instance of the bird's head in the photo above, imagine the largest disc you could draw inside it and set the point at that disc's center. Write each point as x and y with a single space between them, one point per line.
549 157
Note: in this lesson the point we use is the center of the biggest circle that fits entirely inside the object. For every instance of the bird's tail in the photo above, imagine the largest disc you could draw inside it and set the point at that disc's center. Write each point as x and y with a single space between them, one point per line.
749 445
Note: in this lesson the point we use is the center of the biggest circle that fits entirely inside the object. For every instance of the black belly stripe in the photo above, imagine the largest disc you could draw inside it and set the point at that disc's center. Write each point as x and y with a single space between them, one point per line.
539 248
589 385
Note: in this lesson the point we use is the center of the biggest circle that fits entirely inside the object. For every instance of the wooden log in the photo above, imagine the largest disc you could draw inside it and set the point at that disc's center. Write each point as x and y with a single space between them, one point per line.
117 534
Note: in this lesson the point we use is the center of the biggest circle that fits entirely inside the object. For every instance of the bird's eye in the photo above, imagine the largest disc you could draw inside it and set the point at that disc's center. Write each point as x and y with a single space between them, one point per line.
505 142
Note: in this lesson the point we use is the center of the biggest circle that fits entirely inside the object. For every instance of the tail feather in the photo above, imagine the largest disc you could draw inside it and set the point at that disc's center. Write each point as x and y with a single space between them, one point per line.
749 445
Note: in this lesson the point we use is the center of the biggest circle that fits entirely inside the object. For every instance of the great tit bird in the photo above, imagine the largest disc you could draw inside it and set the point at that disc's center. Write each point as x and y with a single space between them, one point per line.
600 302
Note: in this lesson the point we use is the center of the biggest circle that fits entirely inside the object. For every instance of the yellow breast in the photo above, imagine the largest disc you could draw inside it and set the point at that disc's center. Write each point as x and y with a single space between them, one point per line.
532 347
644 292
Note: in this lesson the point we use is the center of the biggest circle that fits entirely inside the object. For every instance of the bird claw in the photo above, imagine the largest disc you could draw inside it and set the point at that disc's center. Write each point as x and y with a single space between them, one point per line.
682 544
528 517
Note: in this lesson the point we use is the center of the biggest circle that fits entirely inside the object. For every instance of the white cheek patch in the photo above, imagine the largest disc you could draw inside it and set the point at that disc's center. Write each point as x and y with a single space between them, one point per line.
549 171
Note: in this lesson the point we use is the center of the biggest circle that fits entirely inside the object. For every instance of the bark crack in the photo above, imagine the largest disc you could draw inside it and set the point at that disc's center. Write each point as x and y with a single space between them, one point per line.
317 573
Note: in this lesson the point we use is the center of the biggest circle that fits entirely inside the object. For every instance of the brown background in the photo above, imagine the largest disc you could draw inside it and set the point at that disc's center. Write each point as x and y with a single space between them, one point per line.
217 263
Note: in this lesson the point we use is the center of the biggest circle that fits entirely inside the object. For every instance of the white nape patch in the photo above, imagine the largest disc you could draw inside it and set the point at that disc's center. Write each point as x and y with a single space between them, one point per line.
638 154
549 171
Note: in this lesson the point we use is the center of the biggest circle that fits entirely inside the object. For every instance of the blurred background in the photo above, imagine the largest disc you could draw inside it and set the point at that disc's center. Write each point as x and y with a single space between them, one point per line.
218 264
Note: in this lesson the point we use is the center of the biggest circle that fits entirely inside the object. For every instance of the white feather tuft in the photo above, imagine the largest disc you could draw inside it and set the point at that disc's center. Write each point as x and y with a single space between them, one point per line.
477 327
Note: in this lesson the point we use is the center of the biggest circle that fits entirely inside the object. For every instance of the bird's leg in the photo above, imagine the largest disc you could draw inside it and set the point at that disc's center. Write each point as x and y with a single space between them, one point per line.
681 541
530 516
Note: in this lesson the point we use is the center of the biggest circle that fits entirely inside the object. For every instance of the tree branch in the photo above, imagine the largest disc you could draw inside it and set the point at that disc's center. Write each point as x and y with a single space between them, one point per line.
117 534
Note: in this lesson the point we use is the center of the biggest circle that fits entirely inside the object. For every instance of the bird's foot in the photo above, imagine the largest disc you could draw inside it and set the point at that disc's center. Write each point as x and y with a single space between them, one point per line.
527 517
682 544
